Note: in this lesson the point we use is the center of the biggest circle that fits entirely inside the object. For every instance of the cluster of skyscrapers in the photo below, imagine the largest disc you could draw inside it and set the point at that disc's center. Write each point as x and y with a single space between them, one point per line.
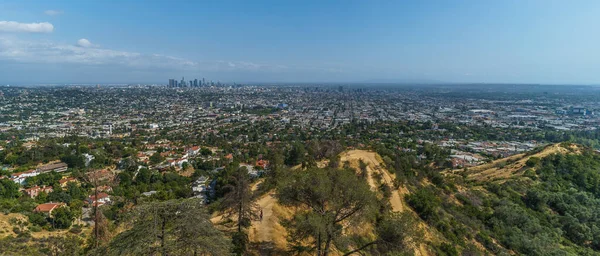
173 83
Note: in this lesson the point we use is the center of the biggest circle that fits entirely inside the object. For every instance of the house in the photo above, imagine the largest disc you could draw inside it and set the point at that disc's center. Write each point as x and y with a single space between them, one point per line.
251 170
193 150
101 199
65 181
20 177
199 187
57 167
218 169
262 164
48 207
142 156
88 158
35 191
178 162
167 153
149 193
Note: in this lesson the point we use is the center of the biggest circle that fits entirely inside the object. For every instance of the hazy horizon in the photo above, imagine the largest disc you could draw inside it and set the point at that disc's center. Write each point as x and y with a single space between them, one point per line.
508 42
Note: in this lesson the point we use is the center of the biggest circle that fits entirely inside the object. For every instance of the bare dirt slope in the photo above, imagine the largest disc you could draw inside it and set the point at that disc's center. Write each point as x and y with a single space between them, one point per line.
269 230
6 228
270 237
262 230
374 165
514 166
267 235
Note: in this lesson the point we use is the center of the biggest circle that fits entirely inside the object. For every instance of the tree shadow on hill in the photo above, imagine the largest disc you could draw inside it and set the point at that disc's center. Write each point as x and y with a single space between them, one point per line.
266 249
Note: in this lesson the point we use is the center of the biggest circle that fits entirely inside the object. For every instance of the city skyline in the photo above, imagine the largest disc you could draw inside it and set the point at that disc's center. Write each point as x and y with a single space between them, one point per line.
542 42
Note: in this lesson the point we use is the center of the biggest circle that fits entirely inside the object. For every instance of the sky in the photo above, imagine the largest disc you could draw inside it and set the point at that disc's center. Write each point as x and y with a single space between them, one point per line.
446 41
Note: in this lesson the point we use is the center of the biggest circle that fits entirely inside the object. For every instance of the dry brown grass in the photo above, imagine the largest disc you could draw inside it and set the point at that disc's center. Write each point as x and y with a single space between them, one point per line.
6 228
187 172
270 233
375 165
513 166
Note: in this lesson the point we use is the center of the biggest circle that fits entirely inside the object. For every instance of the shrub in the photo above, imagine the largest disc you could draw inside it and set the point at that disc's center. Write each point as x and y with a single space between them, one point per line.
448 249
425 203
532 162
76 229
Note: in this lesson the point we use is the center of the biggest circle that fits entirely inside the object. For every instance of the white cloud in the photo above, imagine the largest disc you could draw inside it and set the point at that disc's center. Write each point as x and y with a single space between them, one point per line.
84 43
53 12
13 26
46 52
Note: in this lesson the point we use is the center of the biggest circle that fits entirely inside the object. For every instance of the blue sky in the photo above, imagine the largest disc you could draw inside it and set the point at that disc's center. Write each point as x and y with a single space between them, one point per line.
548 41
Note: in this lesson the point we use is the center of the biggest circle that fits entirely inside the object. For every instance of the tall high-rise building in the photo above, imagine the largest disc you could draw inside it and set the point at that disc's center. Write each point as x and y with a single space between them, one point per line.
203 82
195 82
182 83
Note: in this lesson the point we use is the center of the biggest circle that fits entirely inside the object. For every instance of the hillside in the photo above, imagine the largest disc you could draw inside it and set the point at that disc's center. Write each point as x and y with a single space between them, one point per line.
508 206
375 166
269 235
533 203
514 166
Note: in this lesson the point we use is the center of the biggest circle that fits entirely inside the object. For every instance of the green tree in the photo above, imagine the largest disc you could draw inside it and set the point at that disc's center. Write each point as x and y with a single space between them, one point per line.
174 227
143 176
395 233
8 189
76 207
239 201
62 218
205 151
73 161
296 154
333 197
156 158
425 203
38 219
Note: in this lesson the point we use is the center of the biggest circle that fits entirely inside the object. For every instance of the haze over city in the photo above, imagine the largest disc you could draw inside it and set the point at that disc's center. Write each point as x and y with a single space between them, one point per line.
313 128
551 42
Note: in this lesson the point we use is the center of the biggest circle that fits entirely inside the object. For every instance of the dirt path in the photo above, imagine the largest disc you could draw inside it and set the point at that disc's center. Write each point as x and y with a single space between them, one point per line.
395 199
268 229
262 230
374 166
374 163
271 235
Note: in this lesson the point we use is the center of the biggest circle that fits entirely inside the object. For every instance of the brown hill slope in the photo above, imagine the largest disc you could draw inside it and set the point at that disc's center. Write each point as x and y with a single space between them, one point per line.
513 166
270 236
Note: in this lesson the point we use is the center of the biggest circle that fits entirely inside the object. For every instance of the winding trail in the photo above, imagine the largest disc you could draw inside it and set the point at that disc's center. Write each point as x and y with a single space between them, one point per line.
374 161
271 235
263 230
374 166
